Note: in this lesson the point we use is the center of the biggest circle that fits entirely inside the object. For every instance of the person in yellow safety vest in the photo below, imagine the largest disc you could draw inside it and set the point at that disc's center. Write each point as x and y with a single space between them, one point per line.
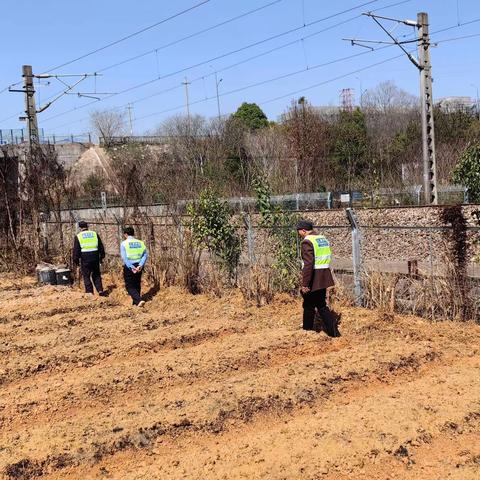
88 251
134 255
316 278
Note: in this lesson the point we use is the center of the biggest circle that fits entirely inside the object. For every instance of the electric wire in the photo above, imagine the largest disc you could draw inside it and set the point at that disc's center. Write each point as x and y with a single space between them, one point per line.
187 37
233 52
120 40
127 37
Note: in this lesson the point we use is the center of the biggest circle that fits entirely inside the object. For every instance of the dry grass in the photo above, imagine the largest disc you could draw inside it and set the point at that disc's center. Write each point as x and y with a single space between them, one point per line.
257 284
435 297
379 291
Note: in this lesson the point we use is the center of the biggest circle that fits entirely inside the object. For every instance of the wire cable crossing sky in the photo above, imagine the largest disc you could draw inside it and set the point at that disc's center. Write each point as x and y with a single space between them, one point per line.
207 39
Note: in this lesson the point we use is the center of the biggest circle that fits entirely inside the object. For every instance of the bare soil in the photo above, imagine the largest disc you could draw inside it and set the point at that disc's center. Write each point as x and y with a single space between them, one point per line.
198 387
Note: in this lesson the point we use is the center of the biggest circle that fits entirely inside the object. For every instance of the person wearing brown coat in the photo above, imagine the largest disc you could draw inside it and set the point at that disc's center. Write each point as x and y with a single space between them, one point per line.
316 278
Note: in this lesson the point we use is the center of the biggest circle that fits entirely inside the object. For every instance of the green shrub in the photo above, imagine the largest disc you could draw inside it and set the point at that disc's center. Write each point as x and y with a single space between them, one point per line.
212 228
279 226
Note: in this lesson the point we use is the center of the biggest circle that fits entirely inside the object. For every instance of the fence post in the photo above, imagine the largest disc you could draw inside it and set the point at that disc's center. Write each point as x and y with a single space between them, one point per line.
44 230
250 239
103 197
356 256
329 200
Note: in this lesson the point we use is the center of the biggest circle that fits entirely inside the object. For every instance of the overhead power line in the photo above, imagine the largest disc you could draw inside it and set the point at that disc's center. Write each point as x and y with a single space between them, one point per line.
231 92
116 42
264 82
232 52
127 37
170 89
310 87
175 42
188 37
303 89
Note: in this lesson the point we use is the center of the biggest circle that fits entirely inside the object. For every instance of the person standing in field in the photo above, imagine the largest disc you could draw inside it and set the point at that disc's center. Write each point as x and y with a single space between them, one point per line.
316 278
134 255
88 251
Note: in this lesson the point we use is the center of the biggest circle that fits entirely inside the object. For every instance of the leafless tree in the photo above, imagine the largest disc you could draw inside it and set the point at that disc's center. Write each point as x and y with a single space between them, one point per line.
270 152
390 115
307 135
108 124
185 137
386 97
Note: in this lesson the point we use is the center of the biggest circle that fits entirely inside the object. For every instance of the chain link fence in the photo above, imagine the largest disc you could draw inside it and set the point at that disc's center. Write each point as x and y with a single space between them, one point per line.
408 268
19 136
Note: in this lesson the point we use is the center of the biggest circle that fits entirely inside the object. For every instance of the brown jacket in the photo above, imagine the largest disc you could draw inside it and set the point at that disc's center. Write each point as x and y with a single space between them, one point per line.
311 278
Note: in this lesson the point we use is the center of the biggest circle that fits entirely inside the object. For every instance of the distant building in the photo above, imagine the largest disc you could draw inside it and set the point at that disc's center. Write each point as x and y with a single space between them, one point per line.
456 104
327 112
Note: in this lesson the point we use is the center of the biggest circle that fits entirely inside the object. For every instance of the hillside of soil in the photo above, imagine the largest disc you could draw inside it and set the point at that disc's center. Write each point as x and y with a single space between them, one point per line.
197 387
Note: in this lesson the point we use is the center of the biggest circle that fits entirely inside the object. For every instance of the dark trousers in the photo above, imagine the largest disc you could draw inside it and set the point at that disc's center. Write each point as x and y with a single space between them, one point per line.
91 271
313 301
133 284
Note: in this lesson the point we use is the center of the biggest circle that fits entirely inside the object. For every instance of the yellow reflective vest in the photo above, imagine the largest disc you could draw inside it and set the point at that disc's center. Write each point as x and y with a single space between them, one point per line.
134 249
88 241
322 251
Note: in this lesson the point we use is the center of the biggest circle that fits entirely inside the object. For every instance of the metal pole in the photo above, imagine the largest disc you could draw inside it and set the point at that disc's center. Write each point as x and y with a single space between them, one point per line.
187 83
129 108
356 256
361 91
428 130
44 230
250 239
217 82
477 111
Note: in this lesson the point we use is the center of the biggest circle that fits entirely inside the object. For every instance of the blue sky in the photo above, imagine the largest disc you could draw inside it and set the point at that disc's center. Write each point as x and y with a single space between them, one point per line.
64 30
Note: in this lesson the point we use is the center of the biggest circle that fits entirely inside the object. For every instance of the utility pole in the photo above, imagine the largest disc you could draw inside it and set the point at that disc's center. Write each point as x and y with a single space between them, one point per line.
30 109
187 83
217 83
477 111
424 66
428 129
129 108
361 91
29 92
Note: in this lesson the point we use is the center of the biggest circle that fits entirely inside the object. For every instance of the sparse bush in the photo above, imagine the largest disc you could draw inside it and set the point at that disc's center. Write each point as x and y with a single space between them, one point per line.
467 172
212 227
279 226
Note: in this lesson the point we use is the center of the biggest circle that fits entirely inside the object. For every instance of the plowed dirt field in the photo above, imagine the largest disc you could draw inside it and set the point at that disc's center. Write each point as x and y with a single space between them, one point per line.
196 387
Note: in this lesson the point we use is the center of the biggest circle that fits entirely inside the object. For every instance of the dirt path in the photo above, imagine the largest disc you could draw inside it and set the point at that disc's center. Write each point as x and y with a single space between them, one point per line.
197 387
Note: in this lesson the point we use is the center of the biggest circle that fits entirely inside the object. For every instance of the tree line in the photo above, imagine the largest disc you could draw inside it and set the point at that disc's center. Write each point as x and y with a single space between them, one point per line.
308 149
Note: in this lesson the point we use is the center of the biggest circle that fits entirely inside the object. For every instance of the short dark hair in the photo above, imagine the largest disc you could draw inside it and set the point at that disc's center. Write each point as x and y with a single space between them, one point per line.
82 224
304 225
129 231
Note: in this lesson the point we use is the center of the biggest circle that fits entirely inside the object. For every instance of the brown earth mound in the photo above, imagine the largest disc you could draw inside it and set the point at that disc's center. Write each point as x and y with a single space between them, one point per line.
196 387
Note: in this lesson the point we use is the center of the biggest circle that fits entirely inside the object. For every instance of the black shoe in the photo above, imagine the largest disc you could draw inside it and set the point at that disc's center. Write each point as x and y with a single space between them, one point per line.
103 294
331 321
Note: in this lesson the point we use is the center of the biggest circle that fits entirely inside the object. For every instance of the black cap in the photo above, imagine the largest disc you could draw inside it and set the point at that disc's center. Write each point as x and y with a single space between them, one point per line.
82 224
304 225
